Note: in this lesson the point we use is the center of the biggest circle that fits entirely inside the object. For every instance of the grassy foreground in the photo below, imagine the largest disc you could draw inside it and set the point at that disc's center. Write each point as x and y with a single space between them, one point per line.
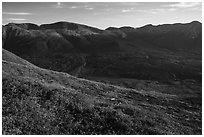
40 101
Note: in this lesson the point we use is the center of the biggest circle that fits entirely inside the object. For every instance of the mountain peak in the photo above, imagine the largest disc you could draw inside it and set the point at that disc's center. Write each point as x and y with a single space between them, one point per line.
28 26
60 25
68 25
196 22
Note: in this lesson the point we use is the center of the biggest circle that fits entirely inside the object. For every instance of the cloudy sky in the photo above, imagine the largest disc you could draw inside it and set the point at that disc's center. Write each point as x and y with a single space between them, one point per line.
102 14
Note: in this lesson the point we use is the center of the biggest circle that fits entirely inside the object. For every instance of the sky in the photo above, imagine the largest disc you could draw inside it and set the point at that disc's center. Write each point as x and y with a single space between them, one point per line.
102 14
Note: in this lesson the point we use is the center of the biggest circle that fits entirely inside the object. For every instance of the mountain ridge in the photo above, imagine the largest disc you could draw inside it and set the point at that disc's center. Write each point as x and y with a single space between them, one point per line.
38 25
139 52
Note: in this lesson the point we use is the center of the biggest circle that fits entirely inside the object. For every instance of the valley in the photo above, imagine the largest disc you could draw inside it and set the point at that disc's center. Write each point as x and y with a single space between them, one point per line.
68 78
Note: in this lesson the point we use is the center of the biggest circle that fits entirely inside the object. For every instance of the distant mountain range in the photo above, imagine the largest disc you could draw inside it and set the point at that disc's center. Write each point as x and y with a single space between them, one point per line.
114 52
172 36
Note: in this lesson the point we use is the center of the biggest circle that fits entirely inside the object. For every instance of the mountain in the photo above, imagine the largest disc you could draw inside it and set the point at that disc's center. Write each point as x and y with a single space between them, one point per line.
163 53
172 36
42 101
70 26
27 26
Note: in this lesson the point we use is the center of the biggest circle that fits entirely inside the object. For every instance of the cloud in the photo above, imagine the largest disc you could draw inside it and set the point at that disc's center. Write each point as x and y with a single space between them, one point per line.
162 10
16 13
73 7
156 11
89 8
102 4
58 5
61 5
128 10
149 11
172 9
184 5
86 7
15 19
128 3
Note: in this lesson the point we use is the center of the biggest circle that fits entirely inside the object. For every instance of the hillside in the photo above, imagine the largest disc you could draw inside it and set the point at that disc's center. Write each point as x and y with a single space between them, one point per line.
41 101
171 36
162 53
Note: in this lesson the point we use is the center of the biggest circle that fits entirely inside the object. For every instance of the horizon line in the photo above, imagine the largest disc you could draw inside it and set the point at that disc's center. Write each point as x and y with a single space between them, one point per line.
99 27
